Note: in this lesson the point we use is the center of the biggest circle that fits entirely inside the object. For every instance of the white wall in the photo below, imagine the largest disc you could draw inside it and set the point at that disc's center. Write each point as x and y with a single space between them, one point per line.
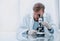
59 13
57 7
9 15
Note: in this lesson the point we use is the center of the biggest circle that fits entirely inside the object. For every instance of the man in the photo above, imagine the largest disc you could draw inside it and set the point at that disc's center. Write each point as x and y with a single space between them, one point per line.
30 24
39 10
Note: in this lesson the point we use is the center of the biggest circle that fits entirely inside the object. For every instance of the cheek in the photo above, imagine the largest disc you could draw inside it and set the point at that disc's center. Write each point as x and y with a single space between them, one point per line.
41 12
35 16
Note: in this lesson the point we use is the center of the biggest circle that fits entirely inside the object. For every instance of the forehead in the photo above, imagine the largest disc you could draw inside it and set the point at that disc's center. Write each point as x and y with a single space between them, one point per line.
41 10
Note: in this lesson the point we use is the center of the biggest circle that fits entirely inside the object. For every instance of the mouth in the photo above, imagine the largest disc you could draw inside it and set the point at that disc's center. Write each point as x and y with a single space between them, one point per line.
36 19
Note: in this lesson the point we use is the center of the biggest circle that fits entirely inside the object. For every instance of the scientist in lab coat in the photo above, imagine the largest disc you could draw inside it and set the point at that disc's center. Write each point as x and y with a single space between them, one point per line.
30 23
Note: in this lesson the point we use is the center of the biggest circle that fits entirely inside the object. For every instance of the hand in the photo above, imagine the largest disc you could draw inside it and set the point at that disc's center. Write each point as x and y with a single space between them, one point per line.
32 33
46 24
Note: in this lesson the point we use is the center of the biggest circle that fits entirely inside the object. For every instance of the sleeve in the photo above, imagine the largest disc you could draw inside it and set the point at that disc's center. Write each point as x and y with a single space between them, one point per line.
51 24
23 28
51 30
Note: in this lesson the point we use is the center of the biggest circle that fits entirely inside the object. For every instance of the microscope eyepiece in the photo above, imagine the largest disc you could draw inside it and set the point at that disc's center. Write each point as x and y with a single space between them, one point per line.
39 15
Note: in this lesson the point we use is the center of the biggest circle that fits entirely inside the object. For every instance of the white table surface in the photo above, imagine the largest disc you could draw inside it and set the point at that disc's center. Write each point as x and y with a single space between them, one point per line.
11 36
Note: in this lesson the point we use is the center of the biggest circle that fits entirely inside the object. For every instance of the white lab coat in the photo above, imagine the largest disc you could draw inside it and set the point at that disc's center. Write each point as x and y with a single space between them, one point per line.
27 24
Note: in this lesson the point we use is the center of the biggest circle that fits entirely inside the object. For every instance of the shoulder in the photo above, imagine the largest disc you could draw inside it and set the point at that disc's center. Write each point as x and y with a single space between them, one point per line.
47 17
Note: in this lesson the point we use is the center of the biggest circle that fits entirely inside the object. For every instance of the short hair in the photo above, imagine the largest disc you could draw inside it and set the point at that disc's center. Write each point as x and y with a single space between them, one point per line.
38 6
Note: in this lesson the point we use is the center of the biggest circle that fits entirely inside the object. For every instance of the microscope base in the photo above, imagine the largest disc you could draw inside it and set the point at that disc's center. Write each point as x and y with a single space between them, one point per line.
40 35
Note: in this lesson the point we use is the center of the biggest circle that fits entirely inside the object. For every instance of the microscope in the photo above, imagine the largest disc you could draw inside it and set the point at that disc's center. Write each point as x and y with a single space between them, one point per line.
40 28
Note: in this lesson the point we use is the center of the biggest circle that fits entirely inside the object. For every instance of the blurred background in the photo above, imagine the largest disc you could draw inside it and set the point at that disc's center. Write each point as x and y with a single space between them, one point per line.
13 11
